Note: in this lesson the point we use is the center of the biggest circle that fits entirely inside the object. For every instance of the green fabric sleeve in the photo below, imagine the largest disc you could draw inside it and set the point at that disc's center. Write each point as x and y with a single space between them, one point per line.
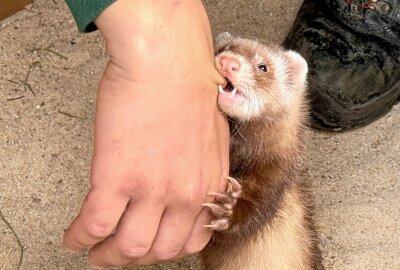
86 11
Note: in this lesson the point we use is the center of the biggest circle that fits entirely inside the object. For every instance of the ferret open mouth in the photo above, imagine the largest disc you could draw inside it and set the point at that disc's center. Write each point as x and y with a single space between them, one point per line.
230 96
229 89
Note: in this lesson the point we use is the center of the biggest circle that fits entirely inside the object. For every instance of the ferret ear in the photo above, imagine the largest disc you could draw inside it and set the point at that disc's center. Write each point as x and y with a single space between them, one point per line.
222 40
297 68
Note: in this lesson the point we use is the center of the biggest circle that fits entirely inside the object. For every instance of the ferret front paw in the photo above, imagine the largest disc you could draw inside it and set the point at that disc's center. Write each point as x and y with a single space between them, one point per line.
222 209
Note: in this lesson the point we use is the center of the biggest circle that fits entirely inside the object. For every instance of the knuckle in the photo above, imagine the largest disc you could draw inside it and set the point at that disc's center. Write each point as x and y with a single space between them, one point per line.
197 195
129 250
165 254
133 187
99 229
193 200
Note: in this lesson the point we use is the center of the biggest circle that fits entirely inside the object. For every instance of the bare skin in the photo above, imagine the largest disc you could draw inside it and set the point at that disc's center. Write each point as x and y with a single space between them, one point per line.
160 142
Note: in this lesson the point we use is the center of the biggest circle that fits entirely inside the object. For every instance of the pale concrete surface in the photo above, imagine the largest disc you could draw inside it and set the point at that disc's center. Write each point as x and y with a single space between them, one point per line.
46 140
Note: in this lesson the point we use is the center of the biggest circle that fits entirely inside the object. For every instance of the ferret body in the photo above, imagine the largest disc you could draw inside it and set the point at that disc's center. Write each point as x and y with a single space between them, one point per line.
270 227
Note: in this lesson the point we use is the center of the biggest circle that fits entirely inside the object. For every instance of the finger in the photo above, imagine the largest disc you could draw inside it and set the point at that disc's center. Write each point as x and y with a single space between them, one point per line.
98 216
133 238
175 228
199 236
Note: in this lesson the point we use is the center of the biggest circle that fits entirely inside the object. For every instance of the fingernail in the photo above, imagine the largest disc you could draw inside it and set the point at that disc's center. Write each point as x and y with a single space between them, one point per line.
93 266
70 250
96 267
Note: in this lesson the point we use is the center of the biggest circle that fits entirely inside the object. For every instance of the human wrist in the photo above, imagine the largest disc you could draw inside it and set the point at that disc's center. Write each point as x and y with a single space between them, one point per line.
149 36
130 19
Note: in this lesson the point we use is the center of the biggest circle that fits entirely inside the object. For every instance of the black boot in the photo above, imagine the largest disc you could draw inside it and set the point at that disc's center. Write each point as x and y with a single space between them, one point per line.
353 51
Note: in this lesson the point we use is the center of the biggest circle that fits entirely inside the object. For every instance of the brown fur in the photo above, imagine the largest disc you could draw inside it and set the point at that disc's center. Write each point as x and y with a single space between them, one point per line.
271 227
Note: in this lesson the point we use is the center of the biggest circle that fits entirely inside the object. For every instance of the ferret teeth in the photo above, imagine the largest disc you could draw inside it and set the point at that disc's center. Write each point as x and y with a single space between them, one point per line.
220 89
234 91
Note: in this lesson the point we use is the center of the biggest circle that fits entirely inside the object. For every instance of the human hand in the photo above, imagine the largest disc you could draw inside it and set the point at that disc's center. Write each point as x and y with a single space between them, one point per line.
160 142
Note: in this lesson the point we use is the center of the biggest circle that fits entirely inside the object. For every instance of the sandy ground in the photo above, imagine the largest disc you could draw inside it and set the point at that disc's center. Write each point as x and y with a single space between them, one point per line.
48 78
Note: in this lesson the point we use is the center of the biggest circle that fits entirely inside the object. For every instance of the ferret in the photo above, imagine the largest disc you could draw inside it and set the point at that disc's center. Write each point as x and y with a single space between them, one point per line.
264 219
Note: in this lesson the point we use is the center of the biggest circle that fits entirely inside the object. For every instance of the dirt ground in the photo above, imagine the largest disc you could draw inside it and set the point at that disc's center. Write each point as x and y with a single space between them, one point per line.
48 79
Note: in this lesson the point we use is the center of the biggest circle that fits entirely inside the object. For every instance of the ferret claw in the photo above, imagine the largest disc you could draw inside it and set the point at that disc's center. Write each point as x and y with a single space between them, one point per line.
220 197
218 225
234 187
222 209
218 210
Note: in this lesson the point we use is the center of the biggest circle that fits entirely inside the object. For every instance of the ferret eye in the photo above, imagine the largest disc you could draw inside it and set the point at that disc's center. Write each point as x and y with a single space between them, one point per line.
263 67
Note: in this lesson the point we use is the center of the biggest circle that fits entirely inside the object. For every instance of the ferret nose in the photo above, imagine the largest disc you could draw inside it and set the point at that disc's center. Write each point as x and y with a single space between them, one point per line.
229 64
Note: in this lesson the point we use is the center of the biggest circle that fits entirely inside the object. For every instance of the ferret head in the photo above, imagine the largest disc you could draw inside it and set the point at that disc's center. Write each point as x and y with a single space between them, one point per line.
261 80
